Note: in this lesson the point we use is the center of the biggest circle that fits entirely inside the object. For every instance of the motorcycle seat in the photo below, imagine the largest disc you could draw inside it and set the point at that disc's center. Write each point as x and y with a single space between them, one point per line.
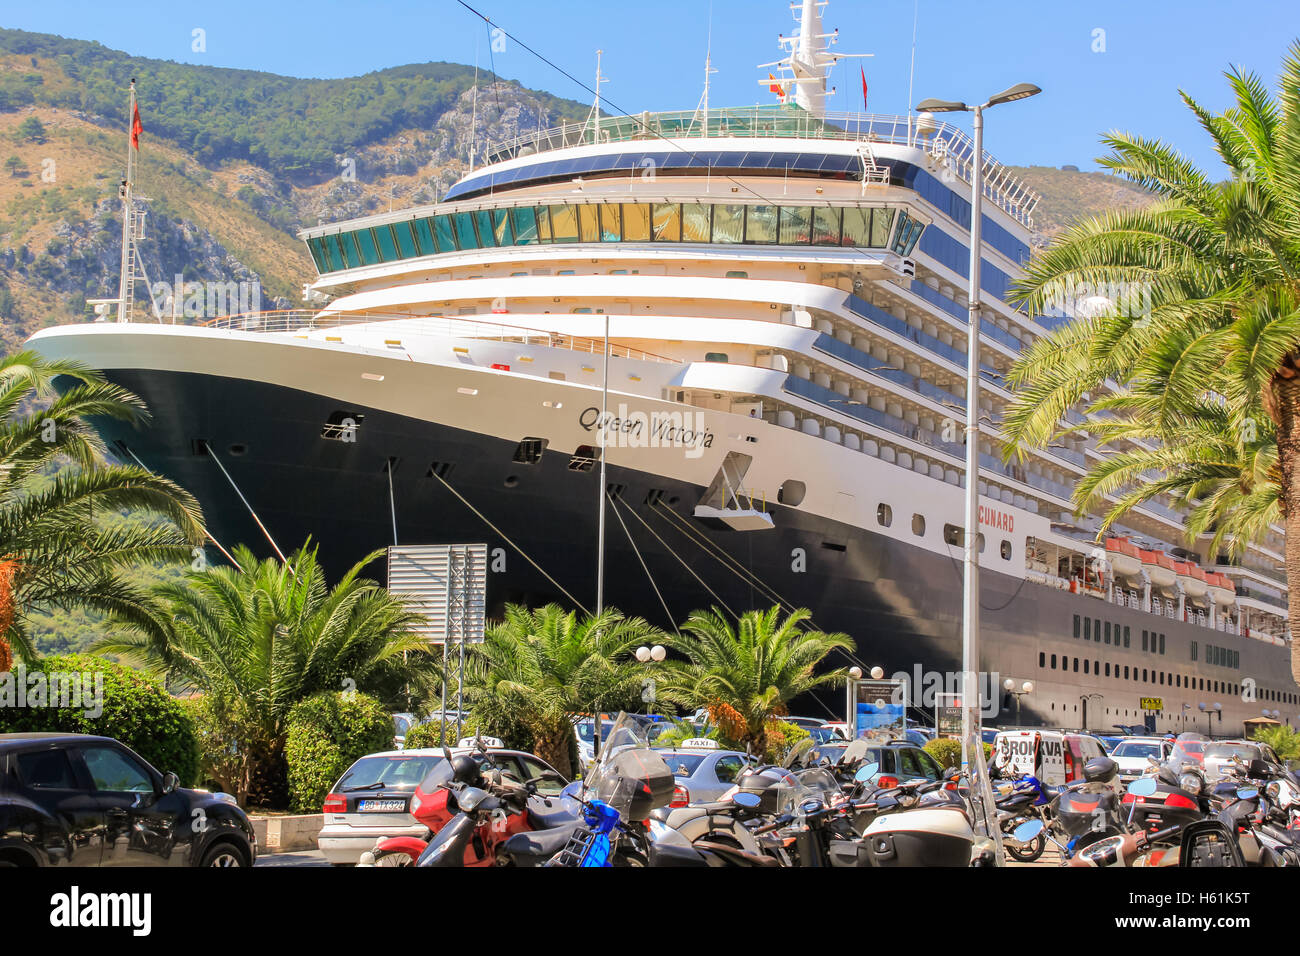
543 818
540 844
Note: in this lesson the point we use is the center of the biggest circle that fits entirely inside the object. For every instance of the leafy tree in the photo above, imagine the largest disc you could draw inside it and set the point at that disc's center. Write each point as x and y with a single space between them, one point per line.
15 165
258 638
745 676
544 666
31 130
56 550
1197 325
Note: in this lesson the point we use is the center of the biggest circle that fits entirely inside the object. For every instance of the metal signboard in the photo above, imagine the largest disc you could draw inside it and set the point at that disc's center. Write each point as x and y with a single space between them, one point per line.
876 704
446 584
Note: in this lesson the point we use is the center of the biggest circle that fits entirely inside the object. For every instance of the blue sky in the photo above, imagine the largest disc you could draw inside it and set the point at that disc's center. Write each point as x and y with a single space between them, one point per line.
654 52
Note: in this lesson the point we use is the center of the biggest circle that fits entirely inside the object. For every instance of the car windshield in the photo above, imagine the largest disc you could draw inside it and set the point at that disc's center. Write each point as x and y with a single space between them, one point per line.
682 765
396 772
1228 751
822 734
1135 749
587 730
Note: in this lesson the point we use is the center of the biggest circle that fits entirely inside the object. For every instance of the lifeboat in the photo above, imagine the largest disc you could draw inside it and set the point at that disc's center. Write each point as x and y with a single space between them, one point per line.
1124 556
1222 589
1192 578
1159 568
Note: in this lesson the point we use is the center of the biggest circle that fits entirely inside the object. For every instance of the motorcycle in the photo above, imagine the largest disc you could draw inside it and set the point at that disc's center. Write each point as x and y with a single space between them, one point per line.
1089 811
1023 800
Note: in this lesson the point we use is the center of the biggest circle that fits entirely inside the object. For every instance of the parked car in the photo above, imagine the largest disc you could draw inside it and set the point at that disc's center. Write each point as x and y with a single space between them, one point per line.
897 759
371 801
402 722
80 800
1131 754
1217 756
702 775
1055 757
805 722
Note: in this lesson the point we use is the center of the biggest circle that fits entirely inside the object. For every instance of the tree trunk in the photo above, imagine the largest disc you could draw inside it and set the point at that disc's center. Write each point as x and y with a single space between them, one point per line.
1287 396
8 611
553 746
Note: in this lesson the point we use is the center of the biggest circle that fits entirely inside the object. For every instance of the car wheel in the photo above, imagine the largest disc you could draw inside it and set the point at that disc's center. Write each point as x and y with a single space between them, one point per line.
225 855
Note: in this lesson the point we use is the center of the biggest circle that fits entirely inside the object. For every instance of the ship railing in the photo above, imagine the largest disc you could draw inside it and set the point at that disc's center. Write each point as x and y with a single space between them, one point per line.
950 145
303 321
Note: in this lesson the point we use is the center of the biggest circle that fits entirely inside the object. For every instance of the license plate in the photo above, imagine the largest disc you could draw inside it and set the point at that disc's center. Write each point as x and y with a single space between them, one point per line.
381 806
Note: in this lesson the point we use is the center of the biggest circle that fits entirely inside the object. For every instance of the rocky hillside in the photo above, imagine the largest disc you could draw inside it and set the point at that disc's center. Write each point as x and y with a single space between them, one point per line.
1069 194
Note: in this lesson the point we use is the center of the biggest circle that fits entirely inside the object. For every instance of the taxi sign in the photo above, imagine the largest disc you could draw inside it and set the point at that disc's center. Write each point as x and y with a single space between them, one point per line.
1152 703
699 743
468 743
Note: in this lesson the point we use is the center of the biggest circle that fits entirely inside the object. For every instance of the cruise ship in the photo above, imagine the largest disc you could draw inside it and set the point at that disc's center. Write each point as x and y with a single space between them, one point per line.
757 316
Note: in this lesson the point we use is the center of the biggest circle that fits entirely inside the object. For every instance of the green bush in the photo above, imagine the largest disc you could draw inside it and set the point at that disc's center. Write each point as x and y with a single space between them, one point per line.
137 710
1284 740
327 733
781 737
429 735
946 751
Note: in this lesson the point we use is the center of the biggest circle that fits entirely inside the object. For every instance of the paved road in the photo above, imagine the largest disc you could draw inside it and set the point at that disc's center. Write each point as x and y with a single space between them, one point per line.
301 858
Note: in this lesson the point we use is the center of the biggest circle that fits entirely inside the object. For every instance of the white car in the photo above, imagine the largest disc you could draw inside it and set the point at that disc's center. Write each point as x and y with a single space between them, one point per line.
1131 754
371 801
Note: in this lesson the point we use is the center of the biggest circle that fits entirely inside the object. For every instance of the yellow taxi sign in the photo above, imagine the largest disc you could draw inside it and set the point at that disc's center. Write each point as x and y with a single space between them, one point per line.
1152 703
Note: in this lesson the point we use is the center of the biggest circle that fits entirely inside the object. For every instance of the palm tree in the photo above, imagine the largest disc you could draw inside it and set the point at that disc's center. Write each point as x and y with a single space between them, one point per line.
1210 356
746 676
544 666
54 488
257 638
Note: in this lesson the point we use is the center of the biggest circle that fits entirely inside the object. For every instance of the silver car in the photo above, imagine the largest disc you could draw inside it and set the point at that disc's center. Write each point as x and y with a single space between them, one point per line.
1131 754
703 776
1219 756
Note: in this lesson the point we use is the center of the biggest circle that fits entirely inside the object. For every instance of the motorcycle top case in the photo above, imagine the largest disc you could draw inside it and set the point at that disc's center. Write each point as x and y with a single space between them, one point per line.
644 775
920 838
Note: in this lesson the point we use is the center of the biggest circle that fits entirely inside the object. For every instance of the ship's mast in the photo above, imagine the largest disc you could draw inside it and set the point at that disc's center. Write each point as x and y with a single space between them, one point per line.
126 280
804 71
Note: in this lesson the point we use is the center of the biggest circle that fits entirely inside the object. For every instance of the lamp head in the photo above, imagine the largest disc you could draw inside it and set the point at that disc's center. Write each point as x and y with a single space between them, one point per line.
1020 91
942 106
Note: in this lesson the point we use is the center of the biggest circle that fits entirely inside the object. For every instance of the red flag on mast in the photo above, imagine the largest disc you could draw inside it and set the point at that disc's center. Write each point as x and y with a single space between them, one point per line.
776 87
136 127
864 87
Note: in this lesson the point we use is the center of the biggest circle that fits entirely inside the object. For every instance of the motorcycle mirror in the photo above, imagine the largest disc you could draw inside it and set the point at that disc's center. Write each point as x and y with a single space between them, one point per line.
1247 793
1027 831
1142 788
866 772
746 799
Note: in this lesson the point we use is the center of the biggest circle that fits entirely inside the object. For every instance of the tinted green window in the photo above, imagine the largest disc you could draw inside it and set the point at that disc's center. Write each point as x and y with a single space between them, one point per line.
424 236
445 234
405 241
317 249
796 225
760 224
611 223
636 222
486 236
695 222
387 244
465 237
543 223
826 227
564 223
912 236
501 227
334 253
525 221
857 227
901 232
882 220
366 243
728 223
667 222
349 242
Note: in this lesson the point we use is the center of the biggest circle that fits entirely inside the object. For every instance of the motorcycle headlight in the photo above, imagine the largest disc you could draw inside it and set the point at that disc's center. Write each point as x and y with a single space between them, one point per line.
1190 782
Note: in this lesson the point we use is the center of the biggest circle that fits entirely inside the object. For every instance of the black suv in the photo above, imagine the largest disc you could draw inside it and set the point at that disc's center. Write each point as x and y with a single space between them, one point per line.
78 800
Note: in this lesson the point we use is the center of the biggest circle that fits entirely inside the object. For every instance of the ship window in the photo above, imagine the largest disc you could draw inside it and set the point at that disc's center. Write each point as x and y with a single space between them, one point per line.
564 223
857 227
728 223
543 222
387 244
796 225
529 451
884 515
1107 626
881 222
636 222
483 220
1126 672
525 224
1076 665
912 237
318 254
588 227
737 274
366 244
1053 662
1162 643
952 535
465 237
760 224
342 425
901 233
501 227
584 458
715 356
1125 635
918 525
791 492
334 249
1086 662
1144 640
405 241
1087 628
1107 668
826 226
1042 659
611 223
439 469
444 234
349 242
667 222
1005 549
1076 625
695 222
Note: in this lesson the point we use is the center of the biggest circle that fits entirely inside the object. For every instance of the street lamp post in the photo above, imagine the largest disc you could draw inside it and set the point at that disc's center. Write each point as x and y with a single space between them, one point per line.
971 750
1026 688
645 655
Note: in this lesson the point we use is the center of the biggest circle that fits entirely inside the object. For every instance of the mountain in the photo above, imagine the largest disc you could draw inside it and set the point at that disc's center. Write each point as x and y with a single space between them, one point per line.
1069 194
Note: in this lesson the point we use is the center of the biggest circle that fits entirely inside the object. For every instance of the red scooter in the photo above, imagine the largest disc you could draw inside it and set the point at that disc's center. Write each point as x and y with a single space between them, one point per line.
471 809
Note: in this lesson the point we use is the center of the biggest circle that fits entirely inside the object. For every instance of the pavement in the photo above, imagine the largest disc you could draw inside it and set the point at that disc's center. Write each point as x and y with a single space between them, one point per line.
298 858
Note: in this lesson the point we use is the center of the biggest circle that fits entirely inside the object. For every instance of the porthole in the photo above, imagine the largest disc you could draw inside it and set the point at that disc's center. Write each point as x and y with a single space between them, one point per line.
1006 550
791 492
238 449
918 525
512 481
884 515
